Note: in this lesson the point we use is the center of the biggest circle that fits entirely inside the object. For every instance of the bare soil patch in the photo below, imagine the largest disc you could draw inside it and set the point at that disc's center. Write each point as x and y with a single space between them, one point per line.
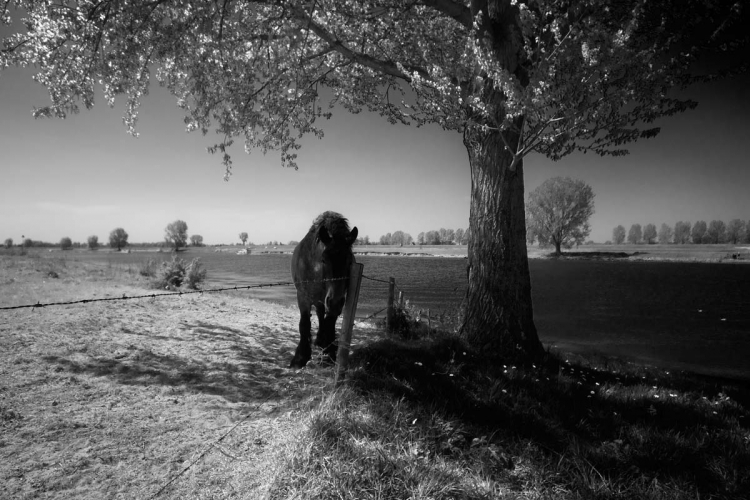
115 399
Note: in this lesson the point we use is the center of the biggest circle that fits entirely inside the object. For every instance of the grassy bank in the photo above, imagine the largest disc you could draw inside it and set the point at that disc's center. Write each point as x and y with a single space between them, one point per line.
191 397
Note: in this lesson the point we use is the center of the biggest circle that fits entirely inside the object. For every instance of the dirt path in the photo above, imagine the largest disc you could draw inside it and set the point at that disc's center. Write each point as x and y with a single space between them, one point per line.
114 399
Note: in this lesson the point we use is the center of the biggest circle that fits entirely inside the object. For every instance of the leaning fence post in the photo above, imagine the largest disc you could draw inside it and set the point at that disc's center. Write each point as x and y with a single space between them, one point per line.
389 311
350 309
401 299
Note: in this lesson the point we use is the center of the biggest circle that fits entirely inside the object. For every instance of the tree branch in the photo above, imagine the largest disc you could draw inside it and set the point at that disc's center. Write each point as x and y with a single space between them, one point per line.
459 12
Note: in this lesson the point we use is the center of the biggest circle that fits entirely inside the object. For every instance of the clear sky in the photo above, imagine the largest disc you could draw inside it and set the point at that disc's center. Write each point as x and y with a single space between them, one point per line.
86 176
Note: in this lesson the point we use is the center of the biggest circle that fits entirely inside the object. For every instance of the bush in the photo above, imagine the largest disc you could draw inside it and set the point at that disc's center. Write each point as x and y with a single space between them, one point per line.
195 275
9 243
171 274
93 242
176 272
66 243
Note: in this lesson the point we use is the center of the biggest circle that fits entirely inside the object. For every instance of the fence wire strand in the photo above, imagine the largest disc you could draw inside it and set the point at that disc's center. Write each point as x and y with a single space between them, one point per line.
155 295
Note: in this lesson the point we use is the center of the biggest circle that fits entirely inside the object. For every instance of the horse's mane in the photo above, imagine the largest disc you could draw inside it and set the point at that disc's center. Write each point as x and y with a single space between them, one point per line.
336 224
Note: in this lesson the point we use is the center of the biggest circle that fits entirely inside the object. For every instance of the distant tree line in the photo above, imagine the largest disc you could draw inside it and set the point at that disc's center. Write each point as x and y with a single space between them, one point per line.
440 236
736 231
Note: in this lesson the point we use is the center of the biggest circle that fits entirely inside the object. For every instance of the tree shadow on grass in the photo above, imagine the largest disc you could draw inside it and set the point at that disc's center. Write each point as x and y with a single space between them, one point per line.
239 365
627 427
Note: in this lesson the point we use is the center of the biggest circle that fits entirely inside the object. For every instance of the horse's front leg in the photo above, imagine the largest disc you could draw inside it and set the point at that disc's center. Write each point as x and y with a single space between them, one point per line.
326 338
304 351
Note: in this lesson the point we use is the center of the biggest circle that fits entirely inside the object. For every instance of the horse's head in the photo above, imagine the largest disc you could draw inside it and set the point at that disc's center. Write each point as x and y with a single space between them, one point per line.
336 261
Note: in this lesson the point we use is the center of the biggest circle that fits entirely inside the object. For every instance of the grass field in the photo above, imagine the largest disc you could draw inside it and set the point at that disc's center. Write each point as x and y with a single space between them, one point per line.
190 397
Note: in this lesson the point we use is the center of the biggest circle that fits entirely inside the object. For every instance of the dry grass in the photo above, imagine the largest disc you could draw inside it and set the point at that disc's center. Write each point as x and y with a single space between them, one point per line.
113 399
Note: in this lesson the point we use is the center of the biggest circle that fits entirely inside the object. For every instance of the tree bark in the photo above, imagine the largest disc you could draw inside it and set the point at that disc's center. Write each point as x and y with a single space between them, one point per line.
498 313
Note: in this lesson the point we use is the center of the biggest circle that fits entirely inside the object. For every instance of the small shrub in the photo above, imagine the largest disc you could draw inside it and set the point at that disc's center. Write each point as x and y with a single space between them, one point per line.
9 243
195 274
148 268
171 274
66 243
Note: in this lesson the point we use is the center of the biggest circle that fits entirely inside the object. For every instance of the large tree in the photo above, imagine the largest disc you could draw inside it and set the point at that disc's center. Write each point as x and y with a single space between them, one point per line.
735 231
682 232
118 238
511 76
649 233
618 235
698 231
559 211
665 234
176 235
635 234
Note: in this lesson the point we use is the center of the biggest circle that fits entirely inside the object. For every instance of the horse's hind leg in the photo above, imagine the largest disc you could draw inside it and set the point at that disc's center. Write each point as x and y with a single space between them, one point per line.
304 351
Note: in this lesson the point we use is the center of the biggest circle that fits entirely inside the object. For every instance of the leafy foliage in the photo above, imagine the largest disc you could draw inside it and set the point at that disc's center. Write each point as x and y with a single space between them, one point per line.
649 233
66 243
682 232
559 211
699 229
665 234
93 242
8 242
243 237
586 76
196 240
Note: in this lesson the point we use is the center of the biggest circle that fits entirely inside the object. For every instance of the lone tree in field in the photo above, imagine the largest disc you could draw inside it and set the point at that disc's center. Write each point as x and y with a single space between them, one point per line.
559 211
635 234
118 238
8 242
649 234
175 234
512 77
93 242
66 243
243 238
618 235
196 240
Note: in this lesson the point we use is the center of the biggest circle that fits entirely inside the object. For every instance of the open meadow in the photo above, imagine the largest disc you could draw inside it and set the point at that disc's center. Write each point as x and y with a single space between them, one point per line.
189 396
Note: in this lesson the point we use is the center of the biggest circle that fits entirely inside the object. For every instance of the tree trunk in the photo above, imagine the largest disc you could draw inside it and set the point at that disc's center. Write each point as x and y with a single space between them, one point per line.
498 314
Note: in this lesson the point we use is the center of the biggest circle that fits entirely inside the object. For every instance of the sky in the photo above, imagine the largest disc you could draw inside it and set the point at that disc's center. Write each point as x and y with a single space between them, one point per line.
86 176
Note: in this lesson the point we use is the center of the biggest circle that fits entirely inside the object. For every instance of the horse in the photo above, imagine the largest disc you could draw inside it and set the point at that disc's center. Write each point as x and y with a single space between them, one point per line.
321 263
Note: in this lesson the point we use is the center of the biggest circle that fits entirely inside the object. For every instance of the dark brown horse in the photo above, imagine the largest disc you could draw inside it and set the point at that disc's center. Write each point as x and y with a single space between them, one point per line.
320 270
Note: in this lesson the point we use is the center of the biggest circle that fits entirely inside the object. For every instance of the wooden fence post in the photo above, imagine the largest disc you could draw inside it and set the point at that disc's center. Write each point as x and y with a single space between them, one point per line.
389 311
401 299
350 309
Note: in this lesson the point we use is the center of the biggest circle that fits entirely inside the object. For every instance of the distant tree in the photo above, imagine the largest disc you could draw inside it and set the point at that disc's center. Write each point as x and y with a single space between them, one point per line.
699 229
735 231
8 242
118 238
467 236
420 238
618 235
93 242
459 235
450 237
196 240
560 209
175 234
293 243
443 234
432 238
682 232
243 237
746 239
530 232
66 243
27 242
366 240
649 234
716 232
400 238
634 235
665 234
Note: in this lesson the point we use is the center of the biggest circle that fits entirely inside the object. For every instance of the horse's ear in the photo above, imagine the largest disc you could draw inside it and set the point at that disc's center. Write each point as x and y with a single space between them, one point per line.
324 236
352 236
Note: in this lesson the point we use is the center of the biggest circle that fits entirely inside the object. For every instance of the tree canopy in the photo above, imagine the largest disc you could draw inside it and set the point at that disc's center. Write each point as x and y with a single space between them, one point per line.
176 234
